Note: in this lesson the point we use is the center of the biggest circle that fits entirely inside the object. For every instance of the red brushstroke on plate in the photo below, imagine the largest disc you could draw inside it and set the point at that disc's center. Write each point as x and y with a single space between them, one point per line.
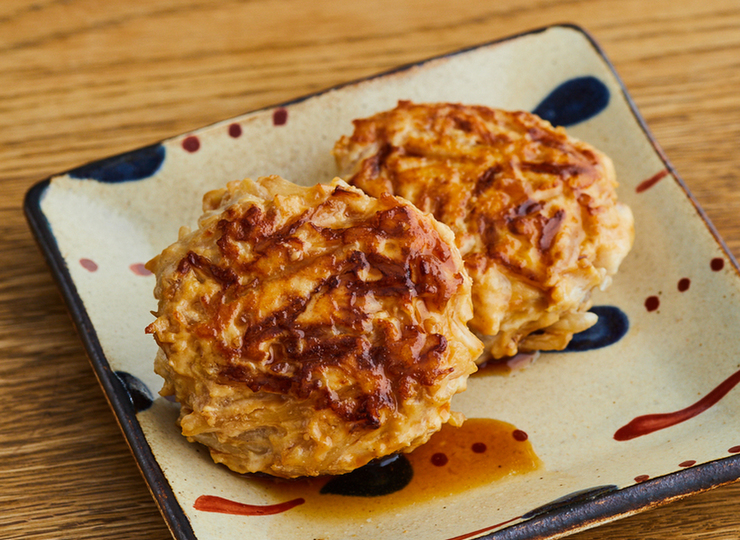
481 531
650 182
734 450
139 269
191 143
643 425
279 117
642 478
652 303
684 284
717 264
88 265
212 503
235 130
687 463
439 459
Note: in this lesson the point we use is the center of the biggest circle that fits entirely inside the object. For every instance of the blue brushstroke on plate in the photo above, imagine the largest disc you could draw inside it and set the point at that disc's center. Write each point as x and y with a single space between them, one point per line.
139 394
574 101
136 165
380 477
580 496
612 326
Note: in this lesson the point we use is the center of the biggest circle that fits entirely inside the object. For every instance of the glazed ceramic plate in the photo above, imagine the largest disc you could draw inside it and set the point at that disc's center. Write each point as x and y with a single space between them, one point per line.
639 411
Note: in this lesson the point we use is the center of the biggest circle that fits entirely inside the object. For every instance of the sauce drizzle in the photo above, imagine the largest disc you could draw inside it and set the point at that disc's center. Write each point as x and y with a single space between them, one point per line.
644 425
212 503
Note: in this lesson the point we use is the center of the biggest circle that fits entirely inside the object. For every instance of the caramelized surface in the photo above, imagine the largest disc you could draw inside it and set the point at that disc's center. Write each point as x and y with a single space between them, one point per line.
534 211
322 300
312 309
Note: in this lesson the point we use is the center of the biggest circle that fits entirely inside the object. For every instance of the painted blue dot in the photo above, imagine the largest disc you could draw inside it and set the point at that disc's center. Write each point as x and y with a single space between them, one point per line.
136 165
139 394
574 101
612 326
380 477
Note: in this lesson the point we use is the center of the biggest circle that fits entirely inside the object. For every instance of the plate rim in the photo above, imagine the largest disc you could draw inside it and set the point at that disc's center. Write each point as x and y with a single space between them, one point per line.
570 517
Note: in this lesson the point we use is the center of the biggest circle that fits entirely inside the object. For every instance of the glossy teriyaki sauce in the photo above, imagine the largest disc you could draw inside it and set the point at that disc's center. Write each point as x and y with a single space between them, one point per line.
479 452
455 459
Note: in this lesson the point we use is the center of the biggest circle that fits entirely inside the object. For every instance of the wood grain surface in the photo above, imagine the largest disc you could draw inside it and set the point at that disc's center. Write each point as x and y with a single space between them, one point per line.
84 79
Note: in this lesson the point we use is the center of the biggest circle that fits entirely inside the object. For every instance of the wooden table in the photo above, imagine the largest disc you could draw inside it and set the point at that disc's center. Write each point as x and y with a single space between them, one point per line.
81 79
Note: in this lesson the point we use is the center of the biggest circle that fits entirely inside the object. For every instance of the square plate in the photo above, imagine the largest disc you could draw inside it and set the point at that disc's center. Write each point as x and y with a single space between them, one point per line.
670 316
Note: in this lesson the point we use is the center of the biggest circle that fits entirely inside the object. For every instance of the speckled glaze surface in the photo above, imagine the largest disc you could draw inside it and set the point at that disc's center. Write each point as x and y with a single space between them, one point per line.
640 410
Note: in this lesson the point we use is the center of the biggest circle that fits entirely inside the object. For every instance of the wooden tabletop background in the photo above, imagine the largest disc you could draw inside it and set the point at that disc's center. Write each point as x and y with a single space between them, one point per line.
84 79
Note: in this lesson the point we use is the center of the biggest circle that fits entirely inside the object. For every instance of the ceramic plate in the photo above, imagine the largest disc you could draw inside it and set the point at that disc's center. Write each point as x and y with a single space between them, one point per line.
639 411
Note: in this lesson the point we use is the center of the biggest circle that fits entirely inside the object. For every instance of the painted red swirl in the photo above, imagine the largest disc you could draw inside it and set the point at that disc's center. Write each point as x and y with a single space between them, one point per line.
643 425
212 503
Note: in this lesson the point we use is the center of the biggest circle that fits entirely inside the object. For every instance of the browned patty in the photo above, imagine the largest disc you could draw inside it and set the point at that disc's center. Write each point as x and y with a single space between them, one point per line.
534 211
308 331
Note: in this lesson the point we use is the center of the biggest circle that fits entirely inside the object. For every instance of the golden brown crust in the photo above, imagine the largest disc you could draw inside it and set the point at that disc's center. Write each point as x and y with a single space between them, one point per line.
346 311
534 211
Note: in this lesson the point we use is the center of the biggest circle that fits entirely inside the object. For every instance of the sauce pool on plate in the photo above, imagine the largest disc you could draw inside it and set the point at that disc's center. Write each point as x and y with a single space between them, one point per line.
456 459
